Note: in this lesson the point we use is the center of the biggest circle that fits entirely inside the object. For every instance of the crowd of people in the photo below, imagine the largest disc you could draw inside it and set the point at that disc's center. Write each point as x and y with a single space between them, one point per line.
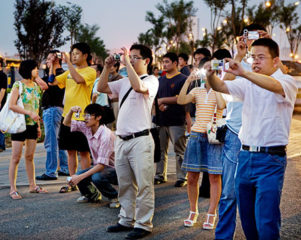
94 112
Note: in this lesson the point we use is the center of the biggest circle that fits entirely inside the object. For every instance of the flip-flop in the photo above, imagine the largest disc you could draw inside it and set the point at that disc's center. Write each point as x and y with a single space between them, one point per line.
15 195
67 188
38 189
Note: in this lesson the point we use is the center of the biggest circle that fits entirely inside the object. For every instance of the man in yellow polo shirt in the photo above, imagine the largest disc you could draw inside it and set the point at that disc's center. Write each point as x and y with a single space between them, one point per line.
78 83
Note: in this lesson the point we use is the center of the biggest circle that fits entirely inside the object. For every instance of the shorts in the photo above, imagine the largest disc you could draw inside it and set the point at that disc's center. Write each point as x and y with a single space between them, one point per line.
200 156
72 140
31 132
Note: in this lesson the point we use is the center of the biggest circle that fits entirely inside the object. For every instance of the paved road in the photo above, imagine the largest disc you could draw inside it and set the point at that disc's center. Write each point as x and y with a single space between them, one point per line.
58 216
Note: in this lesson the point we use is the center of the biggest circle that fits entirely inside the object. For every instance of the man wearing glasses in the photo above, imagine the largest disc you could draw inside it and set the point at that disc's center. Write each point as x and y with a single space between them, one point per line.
134 146
268 98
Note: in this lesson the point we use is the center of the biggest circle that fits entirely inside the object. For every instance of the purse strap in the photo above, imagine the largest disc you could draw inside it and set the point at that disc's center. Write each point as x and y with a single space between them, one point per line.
128 92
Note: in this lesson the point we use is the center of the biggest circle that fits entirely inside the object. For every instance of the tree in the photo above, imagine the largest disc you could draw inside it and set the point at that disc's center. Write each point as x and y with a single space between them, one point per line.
39 26
72 18
86 33
288 19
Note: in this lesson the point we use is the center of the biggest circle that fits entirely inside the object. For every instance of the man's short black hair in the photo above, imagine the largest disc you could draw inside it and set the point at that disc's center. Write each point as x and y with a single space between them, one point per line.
253 27
204 51
55 51
172 56
85 49
26 68
117 66
145 52
221 54
98 110
270 44
184 56
99 68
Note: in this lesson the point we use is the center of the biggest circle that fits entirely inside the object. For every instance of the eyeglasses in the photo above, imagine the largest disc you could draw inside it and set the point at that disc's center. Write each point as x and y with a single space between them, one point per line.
87 115
260 58
135 58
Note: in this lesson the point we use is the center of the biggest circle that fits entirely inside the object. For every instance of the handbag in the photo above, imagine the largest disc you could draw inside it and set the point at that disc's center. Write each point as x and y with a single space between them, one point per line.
12 122
212 128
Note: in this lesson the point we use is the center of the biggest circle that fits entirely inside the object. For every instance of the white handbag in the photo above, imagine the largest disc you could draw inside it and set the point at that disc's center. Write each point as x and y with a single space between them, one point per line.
212 128
10 121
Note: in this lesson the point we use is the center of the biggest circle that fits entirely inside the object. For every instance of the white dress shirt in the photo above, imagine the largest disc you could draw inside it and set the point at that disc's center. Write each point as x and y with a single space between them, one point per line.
266 116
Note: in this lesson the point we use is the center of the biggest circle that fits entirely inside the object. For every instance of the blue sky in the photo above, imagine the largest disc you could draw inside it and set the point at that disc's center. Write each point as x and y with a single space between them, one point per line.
120 21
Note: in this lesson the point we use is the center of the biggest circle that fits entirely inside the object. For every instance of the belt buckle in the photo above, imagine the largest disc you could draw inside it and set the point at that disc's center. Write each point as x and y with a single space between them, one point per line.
254 149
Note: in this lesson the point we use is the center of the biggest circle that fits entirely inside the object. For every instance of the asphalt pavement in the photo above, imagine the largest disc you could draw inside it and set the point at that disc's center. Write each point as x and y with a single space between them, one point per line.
59 216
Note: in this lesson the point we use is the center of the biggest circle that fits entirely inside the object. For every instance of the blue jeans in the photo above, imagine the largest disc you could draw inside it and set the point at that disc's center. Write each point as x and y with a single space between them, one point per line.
2 140
258 185
101 183
227 205
52 120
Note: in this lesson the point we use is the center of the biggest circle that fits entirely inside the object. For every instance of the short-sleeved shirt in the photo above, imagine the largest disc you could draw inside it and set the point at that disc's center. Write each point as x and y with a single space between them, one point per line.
266 116
53 96
185 70
102 98
135 113
174 115
31 98
3 85
205 108
234 110
77 94
101 143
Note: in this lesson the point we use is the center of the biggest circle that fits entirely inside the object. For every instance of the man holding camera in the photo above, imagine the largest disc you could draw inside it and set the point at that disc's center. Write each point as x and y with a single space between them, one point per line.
134 146
52 105
268 98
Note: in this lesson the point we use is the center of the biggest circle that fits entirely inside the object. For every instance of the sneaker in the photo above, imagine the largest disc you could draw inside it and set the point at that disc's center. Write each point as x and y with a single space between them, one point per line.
180 183
45 177
159 180
114 203
60 173
82 199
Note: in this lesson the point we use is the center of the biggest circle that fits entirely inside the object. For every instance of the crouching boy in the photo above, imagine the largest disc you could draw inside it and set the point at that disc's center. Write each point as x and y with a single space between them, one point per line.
95 181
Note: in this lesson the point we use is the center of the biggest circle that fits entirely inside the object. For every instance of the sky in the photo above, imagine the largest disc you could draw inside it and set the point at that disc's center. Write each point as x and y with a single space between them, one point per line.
120 21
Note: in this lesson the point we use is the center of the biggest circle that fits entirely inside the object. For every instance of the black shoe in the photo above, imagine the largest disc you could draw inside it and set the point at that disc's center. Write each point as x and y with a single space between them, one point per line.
180 183
45 177
137 233
60 173
119 228
159 180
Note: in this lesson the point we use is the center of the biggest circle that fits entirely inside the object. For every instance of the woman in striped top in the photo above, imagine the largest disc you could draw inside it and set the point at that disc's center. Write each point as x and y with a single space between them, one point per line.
200 156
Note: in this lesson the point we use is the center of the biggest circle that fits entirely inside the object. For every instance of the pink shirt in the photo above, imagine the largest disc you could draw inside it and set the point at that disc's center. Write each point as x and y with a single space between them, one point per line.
101 143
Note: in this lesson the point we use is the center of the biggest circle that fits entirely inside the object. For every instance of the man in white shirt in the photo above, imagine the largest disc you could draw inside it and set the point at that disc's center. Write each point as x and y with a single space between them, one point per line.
134 146
268 98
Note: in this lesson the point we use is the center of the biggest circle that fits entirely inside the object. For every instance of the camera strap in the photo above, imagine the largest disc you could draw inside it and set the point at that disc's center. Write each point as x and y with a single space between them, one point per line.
128 92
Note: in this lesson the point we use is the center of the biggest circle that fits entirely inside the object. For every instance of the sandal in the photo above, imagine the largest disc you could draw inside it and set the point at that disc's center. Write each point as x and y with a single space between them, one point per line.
15 195
190 222
68 188
38 189
207 225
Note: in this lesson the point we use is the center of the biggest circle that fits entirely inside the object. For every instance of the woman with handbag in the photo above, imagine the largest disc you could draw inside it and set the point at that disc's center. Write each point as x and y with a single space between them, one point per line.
200 155
30 96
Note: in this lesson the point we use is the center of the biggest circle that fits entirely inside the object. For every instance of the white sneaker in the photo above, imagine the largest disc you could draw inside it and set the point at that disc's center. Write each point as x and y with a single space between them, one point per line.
82 199
114 203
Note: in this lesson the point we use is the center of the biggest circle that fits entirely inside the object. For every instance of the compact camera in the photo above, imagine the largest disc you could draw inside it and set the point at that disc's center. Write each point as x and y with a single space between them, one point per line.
219 65
117 57
59 55
251 35
77 114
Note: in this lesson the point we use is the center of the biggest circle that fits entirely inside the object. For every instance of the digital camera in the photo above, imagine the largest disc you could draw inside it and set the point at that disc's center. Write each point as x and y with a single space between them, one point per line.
251 35
219 65
59 55
116 57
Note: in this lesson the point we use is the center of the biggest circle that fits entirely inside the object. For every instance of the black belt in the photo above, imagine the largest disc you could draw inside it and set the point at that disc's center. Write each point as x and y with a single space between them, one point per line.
278 150
135 135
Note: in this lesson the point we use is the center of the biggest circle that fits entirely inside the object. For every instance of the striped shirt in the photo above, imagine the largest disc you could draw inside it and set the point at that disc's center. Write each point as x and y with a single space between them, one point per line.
205 107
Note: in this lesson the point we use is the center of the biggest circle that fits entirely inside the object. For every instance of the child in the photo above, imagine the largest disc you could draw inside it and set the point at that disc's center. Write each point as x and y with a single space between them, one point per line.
101 143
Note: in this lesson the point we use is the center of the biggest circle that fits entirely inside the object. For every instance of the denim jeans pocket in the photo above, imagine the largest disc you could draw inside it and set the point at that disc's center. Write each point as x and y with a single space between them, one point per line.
279 159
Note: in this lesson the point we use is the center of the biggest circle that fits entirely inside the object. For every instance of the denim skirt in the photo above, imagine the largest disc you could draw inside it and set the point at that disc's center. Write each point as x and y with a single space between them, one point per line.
200 156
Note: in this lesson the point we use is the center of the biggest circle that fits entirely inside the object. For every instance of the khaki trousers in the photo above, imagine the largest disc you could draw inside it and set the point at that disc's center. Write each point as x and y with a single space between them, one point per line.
134 163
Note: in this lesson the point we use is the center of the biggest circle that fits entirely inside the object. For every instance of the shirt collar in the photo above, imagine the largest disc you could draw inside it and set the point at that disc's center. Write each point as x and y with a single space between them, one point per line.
99 131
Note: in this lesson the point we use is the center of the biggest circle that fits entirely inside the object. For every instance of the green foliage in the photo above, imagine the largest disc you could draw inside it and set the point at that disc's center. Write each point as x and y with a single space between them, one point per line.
39 26
72 18
86 33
